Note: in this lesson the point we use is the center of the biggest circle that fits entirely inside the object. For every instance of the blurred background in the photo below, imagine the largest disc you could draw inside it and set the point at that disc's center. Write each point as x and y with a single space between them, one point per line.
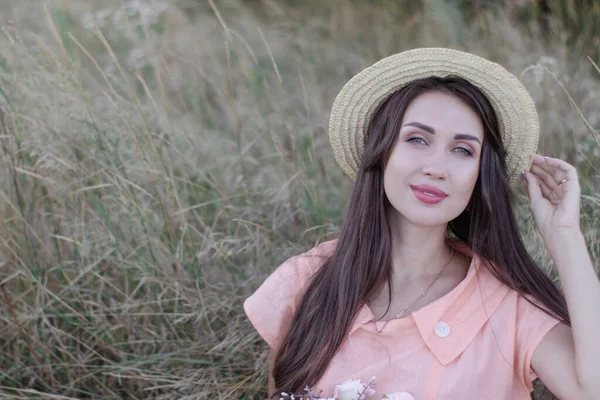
161 158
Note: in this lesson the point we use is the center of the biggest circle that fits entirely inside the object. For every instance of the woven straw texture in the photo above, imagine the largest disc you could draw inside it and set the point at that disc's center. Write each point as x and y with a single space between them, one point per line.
360 97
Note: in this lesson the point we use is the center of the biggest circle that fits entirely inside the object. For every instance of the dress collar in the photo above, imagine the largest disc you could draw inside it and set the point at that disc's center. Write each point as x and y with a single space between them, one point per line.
465 309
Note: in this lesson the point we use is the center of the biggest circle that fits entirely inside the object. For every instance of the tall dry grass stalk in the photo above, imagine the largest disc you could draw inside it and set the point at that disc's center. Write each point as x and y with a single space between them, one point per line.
160 159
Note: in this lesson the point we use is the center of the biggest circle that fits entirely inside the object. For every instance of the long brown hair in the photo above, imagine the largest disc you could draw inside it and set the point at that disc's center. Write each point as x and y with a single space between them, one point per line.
361 262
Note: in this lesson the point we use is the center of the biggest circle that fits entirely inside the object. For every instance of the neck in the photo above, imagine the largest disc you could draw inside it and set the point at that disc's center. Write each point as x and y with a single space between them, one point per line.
418 252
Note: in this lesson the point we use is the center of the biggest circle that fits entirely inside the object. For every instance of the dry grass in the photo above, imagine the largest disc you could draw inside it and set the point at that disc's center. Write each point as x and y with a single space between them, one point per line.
159 162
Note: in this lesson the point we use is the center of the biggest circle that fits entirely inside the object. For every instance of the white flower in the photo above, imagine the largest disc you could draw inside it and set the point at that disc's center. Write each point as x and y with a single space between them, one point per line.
350 390
399 396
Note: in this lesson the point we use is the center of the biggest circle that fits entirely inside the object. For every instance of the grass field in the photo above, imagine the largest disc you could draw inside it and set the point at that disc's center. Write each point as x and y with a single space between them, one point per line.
161 158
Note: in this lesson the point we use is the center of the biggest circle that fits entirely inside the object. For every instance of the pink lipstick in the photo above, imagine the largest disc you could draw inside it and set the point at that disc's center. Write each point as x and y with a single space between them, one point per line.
428 194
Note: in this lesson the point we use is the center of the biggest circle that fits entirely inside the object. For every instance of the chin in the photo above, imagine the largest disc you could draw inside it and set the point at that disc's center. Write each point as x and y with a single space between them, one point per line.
430 222
422 217
431 217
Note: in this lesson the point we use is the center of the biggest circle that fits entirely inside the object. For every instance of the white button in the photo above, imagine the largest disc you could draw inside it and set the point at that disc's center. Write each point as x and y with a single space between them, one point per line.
442 329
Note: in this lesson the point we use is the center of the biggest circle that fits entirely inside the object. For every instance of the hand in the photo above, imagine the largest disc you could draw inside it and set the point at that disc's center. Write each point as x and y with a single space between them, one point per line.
553 189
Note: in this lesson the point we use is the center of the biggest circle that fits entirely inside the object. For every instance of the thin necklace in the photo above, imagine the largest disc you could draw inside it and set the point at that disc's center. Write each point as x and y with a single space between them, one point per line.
415 302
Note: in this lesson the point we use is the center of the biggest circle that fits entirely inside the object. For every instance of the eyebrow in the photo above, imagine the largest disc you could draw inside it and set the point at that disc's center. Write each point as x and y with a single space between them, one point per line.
429 129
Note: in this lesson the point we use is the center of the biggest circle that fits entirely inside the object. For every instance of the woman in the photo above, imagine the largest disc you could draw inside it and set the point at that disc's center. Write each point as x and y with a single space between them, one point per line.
429 287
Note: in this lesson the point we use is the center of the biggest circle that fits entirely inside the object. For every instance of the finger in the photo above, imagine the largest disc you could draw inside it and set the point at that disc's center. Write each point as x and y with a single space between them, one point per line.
556 173
557 195
544 176
554 195
569 170
548 194
546 191
534 190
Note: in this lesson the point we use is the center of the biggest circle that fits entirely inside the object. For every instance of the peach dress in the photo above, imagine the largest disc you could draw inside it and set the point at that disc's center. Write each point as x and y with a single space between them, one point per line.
475 342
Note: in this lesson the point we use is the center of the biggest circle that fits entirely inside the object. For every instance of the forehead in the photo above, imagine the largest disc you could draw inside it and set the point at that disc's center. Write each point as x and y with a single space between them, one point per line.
445 113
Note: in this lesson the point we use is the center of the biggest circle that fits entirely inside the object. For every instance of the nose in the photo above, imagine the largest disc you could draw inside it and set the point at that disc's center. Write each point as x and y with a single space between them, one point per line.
435 168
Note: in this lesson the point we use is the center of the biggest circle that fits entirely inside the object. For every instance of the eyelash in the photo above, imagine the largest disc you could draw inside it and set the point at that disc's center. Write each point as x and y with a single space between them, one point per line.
470 153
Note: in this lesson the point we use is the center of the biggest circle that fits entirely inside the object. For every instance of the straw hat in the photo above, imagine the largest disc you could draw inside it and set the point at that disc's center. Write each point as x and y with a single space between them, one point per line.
358 99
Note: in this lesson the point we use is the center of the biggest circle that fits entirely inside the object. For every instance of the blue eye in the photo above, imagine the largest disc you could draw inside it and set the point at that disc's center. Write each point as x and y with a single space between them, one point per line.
467 152
415 138
464 151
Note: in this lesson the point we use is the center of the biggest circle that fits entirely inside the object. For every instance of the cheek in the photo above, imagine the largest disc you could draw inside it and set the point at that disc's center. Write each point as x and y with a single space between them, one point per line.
468 179
396 171
401 162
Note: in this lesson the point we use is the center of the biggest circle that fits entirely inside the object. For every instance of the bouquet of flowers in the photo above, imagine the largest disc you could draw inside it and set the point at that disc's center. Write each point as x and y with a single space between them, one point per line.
351 389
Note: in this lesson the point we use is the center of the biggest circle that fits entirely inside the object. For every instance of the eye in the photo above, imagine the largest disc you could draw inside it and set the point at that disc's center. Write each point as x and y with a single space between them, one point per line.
466 152
420 140
415 138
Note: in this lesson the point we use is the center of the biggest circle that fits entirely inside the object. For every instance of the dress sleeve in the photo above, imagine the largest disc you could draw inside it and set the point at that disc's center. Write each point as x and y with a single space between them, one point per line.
532 325
271 307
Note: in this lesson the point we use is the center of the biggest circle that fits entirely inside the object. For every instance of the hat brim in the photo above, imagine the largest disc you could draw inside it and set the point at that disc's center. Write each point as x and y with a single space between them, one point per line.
359 98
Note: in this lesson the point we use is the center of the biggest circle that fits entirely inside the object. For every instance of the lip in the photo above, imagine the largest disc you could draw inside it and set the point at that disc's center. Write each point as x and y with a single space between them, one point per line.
427 199
429 189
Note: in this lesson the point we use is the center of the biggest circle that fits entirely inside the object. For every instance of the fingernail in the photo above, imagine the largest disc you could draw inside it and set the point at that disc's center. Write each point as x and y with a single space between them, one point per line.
523 175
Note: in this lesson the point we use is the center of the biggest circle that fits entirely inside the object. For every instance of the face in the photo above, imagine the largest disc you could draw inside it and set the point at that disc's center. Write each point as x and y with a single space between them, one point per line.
438 150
